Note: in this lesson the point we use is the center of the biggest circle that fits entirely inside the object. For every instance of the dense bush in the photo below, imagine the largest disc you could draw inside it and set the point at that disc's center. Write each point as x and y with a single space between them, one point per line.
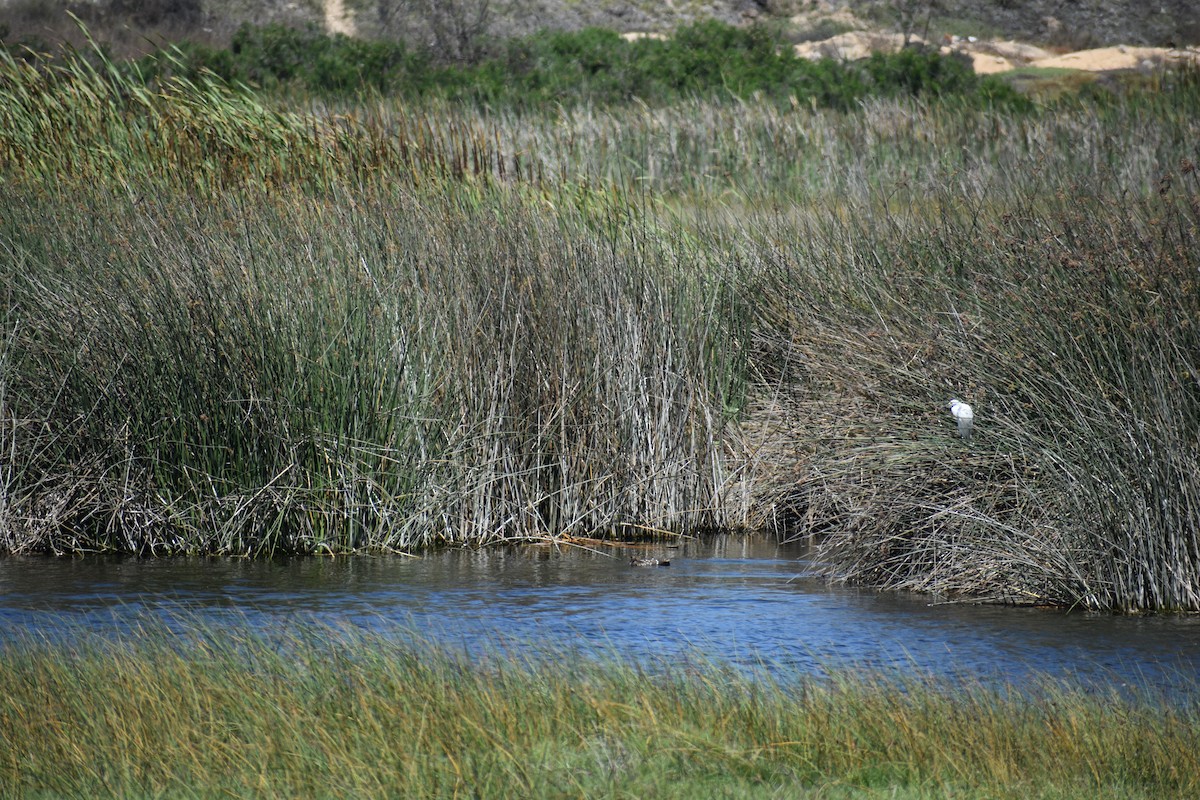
146 13
592 66
274 56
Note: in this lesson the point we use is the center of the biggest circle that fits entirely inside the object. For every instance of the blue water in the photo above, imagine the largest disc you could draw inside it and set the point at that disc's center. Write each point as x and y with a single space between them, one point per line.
747 602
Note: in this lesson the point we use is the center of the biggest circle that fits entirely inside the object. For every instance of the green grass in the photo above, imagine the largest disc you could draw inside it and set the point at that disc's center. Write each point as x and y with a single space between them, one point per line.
229 326
321 712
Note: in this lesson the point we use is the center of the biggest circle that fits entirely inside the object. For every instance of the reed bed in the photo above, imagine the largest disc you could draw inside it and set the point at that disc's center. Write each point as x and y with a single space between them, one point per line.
332 712
1067 321
392 326
85 118
363 371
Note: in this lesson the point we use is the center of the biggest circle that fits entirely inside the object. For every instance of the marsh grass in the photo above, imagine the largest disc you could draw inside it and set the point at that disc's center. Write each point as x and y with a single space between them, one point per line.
230 328
87 119
1076 344
365 371
319 711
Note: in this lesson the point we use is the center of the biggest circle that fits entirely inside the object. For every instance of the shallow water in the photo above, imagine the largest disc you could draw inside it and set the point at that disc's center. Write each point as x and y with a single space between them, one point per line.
744 601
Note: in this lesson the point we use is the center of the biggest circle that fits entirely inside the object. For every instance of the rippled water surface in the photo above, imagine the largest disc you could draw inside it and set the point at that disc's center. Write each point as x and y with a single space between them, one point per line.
728 599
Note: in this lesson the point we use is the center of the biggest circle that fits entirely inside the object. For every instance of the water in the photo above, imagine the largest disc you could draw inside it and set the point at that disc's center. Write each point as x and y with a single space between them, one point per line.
742 601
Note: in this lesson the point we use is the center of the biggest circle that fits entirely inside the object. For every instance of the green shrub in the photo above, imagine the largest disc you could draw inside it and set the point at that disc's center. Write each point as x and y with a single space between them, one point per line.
278 56
591 67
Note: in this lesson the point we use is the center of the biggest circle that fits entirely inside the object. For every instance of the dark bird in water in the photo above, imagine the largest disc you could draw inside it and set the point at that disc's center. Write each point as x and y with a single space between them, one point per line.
634 561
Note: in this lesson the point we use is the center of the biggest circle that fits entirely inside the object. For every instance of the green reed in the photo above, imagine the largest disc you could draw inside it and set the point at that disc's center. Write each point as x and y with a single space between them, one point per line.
361 371
333 712
86 118
311 339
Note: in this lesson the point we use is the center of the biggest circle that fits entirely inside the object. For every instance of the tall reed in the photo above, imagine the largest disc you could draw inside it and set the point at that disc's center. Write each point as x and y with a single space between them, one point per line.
374 369
1067 320
84 118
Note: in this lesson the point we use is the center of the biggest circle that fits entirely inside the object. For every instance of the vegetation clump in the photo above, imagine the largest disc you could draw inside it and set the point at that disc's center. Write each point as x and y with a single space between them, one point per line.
593 66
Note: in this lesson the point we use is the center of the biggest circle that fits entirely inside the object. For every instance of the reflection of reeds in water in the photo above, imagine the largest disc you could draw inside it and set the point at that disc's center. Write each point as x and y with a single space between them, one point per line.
334 712
403 326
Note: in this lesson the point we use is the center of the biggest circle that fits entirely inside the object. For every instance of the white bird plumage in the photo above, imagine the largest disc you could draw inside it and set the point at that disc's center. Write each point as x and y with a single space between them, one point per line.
965 417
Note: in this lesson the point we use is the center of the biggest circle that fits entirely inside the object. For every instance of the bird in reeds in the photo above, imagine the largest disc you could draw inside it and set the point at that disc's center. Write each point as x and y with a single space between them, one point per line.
634 561
964 416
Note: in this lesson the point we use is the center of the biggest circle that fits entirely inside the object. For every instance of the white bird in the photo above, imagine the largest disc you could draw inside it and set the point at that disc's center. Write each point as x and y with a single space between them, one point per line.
965 417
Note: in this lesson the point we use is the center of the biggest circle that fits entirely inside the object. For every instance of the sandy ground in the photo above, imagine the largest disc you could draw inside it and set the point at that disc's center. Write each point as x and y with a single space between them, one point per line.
337 18
1120 57
990 57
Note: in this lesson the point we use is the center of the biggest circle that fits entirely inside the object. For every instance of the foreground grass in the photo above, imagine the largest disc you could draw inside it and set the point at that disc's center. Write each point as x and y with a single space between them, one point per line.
339 713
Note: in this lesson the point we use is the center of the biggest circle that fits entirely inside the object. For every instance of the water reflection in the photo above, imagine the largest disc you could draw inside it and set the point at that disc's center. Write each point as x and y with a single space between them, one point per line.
745 601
